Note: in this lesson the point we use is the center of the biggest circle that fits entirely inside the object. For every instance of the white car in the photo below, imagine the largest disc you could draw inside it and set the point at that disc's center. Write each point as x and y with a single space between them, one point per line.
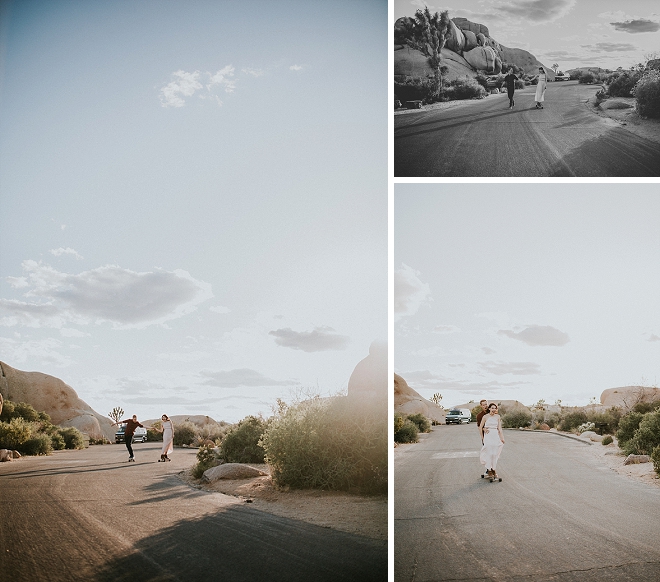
458 416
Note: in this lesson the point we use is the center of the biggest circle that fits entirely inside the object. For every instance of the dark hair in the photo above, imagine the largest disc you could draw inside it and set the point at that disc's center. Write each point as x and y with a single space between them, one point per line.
165 415
492 404
483 400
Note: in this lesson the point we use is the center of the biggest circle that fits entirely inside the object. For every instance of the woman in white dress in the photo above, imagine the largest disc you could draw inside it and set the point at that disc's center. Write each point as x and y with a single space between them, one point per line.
491 434
540 88
167 429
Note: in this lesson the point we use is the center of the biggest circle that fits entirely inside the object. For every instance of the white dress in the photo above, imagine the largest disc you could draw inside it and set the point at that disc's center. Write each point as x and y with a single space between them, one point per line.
540 89
168 436
492 448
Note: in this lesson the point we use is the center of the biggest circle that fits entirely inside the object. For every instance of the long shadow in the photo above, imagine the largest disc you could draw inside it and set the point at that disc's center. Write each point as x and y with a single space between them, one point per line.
242 544
441 119
472 119
616 153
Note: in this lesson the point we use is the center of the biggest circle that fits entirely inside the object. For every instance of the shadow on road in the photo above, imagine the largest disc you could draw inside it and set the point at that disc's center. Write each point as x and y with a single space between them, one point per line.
440 126
243 544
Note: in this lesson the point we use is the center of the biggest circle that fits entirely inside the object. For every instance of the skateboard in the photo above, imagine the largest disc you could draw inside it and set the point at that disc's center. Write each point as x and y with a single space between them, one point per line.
491 479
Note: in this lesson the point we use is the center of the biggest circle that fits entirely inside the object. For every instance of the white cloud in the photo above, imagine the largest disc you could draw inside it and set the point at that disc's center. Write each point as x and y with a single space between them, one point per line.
538 335
222 78
183 85
653 338
36 352
517 368
243 377
219 309
420 379
253 72
320 339
72 332
295 68
446 329
409 292
17 282
67 251
124 298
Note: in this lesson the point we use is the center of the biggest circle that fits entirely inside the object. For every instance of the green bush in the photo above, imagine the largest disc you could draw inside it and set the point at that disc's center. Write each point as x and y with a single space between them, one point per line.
647 94
655 458
405 430
39 444
184 433
57 441
241 443
587 77
421 421
73 438
623 85
206 458
21 410
572 420
414 89
607 440
647 436
482 80
516 419
627 427
15 433
335 443
609 418
645 407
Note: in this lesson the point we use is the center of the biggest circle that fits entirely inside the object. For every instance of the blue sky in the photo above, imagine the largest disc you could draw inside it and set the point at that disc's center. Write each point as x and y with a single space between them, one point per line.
194 199
571 33
526 291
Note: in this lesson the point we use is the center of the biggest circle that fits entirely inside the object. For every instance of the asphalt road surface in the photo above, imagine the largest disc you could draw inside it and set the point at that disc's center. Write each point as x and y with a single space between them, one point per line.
486 138
89 515
556 516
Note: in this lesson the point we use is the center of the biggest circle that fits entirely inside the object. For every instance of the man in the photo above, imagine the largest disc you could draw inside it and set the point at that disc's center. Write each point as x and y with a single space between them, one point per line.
480 415
510 82
131 425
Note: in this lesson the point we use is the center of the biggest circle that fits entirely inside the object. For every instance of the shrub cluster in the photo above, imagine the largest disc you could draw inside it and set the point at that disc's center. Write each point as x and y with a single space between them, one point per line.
647 94
241 443
184 433
607 440
516 419
587 78
467 88
423 424
414 89
571 420
206 459
335 443
405 430
623 84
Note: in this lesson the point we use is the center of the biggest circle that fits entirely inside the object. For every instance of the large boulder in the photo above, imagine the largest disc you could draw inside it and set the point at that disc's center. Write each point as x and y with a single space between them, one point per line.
627 396
8 455
483 58
465 24
455 39
409 401
57 399
369 377
231 471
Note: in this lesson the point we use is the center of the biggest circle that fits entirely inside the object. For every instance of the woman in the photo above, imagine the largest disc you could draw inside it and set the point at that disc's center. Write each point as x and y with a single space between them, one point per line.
540 88
167 429
491 435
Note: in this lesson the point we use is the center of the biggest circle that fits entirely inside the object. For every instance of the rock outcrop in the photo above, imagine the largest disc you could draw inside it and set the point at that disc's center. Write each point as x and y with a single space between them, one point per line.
626 397
8 455
472 43
52 396
369 377
231 471
409 401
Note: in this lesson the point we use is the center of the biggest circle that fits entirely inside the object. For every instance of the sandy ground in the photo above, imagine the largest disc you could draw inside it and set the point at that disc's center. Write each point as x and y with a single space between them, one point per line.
612 457
628 119
356 514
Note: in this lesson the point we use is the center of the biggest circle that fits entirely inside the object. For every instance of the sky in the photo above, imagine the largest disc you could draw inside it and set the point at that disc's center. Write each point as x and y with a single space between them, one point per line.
526 291
571 33
193 199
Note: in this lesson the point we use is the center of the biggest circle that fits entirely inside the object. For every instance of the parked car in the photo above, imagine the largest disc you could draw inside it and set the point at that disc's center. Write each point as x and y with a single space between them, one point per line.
458 416
562 77
139 436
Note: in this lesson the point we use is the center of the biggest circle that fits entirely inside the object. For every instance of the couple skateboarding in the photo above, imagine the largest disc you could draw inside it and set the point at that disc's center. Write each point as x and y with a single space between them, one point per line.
166 428
492 439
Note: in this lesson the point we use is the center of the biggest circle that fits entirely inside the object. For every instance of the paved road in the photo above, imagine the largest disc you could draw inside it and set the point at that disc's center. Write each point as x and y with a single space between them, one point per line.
557 515
89 515
486 138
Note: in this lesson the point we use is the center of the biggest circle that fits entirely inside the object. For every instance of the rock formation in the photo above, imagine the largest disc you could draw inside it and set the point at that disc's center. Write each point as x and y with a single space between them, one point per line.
52 396
626 397
472 44
369 377
231 471
408 401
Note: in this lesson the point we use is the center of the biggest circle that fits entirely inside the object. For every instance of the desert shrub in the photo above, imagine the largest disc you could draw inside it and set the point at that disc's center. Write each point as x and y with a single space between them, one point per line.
655 459
553 419
335 443
587 77
482 80
15 433
415 88
57 441
38 444
647 436
572 420
421 421
99 440
647 94
206 458
519 84
241 443
21 410
73 438
585 427
608 420
607 440
465 89
623 85
627 427
184 433
645 407
408 433
215 432
516 419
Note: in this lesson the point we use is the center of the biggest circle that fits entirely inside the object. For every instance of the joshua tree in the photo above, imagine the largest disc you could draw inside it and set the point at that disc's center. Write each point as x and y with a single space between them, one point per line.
436 398
555 67
427 33
116 413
